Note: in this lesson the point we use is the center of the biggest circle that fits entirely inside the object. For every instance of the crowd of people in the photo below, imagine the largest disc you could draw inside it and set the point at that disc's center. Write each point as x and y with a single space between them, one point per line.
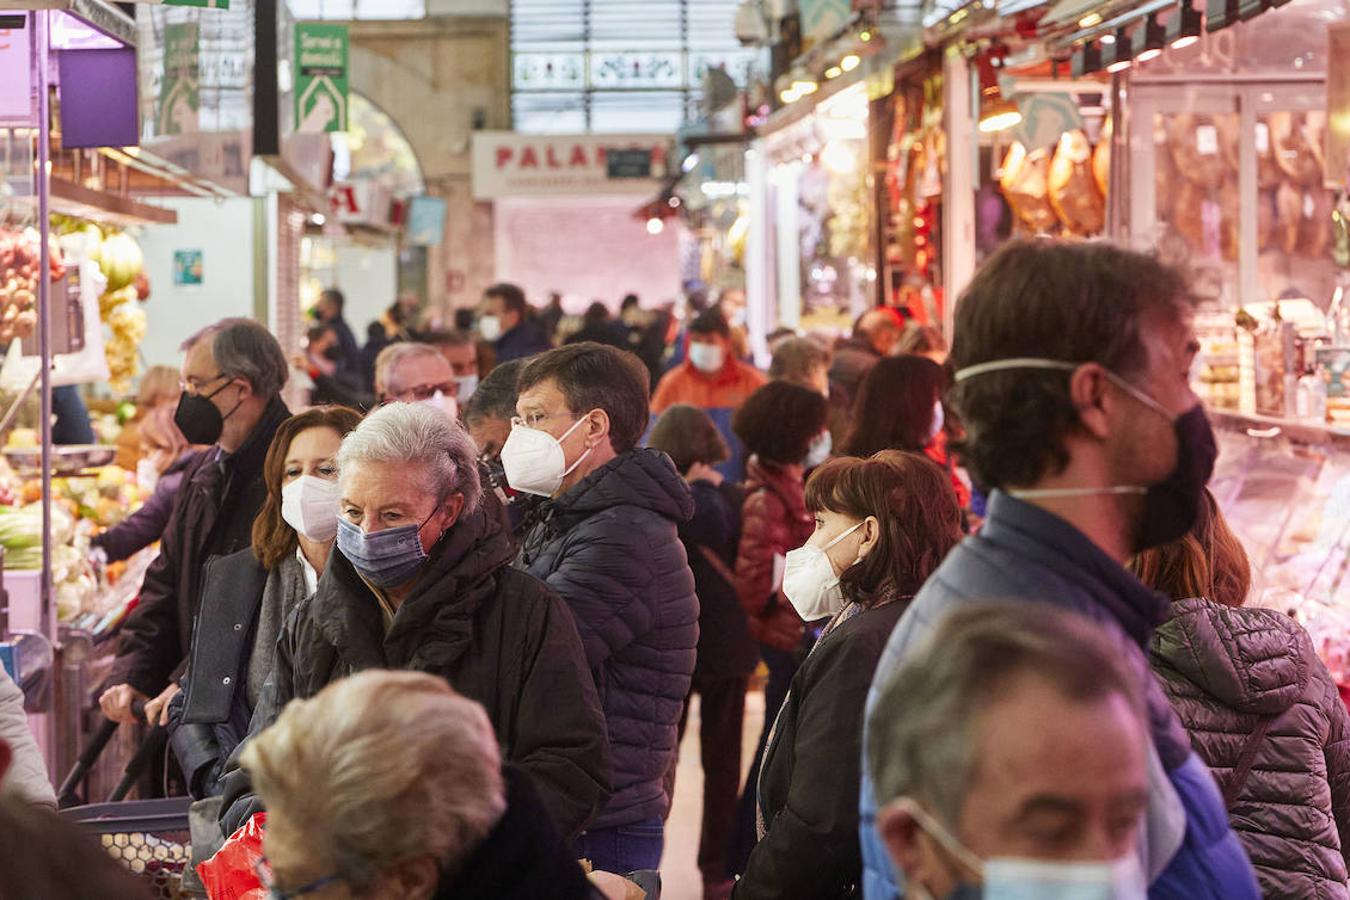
447 626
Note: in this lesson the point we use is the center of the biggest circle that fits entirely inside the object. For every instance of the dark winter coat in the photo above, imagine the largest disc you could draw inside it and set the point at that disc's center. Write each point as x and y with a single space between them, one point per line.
1024 554
526 339
143 527
524 856
495 634
725 647
1225 670
853 359
212 516
774 521
808 787
610 547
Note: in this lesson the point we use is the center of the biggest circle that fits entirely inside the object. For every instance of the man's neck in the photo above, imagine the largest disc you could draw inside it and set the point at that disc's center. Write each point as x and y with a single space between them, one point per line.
245 420
1105 519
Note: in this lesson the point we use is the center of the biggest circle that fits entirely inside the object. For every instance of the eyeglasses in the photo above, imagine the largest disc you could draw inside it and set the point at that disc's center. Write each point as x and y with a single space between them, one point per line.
194 385
535 420
427 391
263 869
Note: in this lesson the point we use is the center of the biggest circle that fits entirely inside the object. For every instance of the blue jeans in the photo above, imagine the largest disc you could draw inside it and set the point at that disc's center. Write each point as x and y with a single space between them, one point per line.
624 848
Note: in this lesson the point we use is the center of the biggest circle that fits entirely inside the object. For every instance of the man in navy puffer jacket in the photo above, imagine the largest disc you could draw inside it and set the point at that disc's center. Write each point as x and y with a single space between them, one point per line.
607 541
1072 383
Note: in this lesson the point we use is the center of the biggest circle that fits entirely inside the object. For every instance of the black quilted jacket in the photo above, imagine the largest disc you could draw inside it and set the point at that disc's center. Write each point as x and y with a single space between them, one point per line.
1226 668
611 549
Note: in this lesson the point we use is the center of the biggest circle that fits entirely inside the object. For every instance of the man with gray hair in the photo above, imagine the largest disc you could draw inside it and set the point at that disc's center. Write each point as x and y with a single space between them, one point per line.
1009 759
233 373
411 372
421 579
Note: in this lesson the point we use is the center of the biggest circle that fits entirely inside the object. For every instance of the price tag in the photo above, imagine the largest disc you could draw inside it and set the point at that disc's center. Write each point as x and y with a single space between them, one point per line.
1207 140
1262 138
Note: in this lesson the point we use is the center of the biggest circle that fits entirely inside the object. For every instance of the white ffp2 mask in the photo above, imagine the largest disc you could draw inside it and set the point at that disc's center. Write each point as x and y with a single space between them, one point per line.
535 462
707 358
310 506
810 583
490 327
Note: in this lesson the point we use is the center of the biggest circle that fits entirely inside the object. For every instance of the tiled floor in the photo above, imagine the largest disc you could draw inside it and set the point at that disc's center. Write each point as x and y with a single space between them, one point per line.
679 867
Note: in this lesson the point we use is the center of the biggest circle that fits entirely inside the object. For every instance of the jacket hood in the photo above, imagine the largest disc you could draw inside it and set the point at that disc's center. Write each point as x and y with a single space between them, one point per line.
435 622
643 478
1251 660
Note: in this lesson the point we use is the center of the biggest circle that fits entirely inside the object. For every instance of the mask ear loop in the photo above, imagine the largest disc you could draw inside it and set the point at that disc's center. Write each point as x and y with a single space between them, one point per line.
938 832
572 468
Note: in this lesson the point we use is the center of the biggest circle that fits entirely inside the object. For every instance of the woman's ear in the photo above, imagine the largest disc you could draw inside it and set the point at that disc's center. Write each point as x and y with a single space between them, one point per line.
871 532
452 507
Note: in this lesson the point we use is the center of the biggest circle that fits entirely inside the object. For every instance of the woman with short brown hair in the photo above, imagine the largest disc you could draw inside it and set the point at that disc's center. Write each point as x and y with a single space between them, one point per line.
882 526
1262 710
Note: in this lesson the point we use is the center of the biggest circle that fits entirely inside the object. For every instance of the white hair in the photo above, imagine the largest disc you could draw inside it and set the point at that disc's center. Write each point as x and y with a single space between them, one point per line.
416 435
379 768
390 357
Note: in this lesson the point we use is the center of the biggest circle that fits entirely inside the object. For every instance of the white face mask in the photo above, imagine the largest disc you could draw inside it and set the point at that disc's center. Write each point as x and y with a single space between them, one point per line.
819 451
535 462
939 419
445 404
465 385
147 474
310 506
1010 878
706 357
809 580
490 327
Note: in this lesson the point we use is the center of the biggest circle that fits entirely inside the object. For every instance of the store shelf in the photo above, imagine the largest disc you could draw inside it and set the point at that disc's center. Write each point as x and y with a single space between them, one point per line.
71 199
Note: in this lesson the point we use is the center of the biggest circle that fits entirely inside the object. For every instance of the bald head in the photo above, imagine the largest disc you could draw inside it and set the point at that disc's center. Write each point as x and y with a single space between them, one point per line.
880 328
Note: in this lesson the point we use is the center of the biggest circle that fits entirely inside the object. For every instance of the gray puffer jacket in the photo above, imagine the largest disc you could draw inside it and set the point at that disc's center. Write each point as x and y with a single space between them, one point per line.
1225 669
610 547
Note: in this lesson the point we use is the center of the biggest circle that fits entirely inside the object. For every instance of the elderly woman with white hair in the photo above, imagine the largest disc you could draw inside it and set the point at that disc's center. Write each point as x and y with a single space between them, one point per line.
422 581
390 785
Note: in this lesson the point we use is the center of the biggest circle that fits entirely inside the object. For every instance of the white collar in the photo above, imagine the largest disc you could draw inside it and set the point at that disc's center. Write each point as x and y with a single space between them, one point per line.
311 576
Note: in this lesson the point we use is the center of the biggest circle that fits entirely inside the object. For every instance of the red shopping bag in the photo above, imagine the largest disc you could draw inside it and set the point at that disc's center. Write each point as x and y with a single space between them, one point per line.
232 874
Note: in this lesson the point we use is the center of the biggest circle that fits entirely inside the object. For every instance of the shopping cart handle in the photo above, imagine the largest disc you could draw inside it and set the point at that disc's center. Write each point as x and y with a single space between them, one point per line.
67 797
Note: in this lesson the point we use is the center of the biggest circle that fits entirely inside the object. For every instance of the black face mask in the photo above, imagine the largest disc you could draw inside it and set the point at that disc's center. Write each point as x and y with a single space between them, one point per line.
1171 506
332 354
198 418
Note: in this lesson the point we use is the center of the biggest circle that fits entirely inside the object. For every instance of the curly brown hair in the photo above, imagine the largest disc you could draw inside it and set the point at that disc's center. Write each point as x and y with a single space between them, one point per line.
273 539
779 420
1057 300
911 498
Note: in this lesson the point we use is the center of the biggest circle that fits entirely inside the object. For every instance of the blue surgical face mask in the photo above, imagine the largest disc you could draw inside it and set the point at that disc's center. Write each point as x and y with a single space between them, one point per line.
385 558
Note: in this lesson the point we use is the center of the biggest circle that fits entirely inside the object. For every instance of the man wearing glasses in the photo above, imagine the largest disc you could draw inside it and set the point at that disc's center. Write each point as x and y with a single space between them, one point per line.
416 373
233 373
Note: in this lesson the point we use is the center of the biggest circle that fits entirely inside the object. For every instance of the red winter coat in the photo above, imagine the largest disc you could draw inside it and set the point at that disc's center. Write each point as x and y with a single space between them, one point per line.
775 521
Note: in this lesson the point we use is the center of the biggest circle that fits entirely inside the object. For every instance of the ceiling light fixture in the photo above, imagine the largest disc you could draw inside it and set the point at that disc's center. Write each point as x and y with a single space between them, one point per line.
1183 28
997 113
1086 60
850 62
1123 57
1149 40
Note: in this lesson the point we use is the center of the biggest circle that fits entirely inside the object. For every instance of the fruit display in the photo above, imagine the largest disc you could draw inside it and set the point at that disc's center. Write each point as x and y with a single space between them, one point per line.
122 264
20 259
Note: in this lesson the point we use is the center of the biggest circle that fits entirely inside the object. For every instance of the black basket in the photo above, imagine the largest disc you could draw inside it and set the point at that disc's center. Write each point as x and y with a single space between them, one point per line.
151 838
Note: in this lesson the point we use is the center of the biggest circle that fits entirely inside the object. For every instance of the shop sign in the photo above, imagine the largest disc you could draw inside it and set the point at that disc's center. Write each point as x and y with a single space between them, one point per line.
635 163
509 164
364 202
321 63
426 221
176 111
1046 116
16 100
822 19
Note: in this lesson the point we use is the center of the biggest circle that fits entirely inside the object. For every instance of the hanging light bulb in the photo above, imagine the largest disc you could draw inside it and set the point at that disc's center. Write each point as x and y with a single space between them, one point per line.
850 62
655 225
997 113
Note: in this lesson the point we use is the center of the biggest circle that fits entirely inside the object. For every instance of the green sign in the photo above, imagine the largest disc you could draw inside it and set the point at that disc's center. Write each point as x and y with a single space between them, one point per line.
179 97
321 63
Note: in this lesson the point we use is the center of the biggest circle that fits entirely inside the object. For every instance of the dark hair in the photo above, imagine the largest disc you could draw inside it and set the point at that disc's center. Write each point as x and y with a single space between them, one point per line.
596 313
316 332
687 434
1208 562
779 420
921 339
335 297
912 500
375 332
1056 300
453 338
796 358
629 301
273 539
510 294
711 321
894 409
464 319
595 376
495 396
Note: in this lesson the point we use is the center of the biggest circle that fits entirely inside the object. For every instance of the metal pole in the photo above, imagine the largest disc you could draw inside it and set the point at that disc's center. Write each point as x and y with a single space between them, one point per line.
46 622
